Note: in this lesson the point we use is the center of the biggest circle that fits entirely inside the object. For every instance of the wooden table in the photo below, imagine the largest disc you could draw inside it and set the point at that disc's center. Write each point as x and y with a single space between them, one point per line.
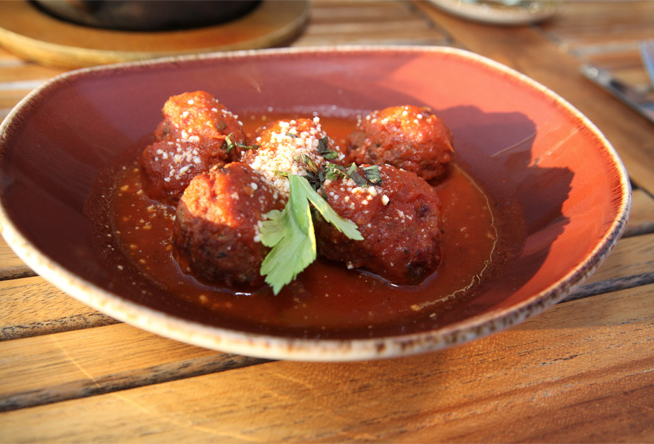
581 372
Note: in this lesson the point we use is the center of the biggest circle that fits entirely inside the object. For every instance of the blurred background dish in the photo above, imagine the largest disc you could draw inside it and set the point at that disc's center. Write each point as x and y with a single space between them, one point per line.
500 12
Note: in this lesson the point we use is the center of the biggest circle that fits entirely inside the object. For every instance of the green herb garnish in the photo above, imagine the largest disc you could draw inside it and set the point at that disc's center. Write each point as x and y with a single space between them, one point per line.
291 236
370 175
230 144
324 151
371 172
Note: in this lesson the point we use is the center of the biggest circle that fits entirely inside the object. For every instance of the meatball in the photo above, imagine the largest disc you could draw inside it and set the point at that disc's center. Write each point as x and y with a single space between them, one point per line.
408 137
282 147
216 231
169 166
399 222
189 140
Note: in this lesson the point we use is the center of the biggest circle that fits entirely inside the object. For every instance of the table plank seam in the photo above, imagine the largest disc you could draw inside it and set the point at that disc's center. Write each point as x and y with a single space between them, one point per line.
16 272
111 383
59 325
639 230
610 285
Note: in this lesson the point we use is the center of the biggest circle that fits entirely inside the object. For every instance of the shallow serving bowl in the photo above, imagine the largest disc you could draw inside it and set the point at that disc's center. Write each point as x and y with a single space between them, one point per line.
521 142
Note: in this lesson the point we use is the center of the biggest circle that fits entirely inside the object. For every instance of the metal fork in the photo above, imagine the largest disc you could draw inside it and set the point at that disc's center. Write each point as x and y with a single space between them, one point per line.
647 54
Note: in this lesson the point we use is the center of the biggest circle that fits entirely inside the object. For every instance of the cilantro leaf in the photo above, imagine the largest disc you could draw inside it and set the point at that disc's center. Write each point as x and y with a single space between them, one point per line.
291 236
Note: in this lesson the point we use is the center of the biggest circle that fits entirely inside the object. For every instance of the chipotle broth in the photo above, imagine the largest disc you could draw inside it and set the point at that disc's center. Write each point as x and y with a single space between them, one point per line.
326 296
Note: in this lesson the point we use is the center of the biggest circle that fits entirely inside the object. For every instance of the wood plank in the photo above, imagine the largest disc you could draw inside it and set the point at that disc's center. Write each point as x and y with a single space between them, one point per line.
18 78
630 264
632 256
641 219
369 22
9 99
33 306
572 374
622 59
16 73
71 365
11 267
334 12
525 50
408 38
599 40
603 14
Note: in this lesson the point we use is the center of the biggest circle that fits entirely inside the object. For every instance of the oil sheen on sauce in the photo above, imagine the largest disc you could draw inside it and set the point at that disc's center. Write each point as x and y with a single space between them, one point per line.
326 295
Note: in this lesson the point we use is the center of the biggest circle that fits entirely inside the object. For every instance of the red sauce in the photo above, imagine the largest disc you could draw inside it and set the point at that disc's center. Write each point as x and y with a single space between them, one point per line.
325 296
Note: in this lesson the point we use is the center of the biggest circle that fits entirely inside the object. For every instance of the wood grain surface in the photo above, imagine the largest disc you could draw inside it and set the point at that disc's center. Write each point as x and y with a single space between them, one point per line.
32 306
581 372
583 367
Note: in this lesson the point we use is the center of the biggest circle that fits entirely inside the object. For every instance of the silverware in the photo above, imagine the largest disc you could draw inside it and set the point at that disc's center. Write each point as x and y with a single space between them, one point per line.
647 54
622 91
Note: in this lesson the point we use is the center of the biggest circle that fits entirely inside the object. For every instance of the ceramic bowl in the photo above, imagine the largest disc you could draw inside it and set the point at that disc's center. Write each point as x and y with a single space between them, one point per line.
531 150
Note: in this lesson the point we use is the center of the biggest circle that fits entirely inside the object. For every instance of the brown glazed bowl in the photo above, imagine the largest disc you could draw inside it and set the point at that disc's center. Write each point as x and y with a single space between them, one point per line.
525 145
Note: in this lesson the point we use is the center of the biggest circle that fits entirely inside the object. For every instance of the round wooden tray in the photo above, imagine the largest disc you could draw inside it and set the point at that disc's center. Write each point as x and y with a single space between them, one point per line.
32 34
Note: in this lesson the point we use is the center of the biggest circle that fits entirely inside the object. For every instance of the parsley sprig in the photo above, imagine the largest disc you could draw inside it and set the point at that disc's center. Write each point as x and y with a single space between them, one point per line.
291 236
290 232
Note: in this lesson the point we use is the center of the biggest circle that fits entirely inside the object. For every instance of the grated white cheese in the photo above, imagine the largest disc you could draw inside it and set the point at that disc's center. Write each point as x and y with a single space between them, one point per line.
282 147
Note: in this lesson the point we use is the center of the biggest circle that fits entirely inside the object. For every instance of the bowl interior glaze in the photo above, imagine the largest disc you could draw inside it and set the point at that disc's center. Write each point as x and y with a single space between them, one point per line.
533 151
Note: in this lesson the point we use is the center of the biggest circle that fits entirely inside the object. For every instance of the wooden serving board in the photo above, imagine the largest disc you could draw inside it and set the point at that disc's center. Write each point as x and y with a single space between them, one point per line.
34 35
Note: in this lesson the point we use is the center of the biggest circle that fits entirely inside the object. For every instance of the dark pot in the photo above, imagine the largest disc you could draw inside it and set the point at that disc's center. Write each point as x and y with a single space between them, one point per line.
147 15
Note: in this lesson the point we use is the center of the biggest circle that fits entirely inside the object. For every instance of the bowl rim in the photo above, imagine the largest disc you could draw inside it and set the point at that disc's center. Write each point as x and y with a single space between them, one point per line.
304 349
